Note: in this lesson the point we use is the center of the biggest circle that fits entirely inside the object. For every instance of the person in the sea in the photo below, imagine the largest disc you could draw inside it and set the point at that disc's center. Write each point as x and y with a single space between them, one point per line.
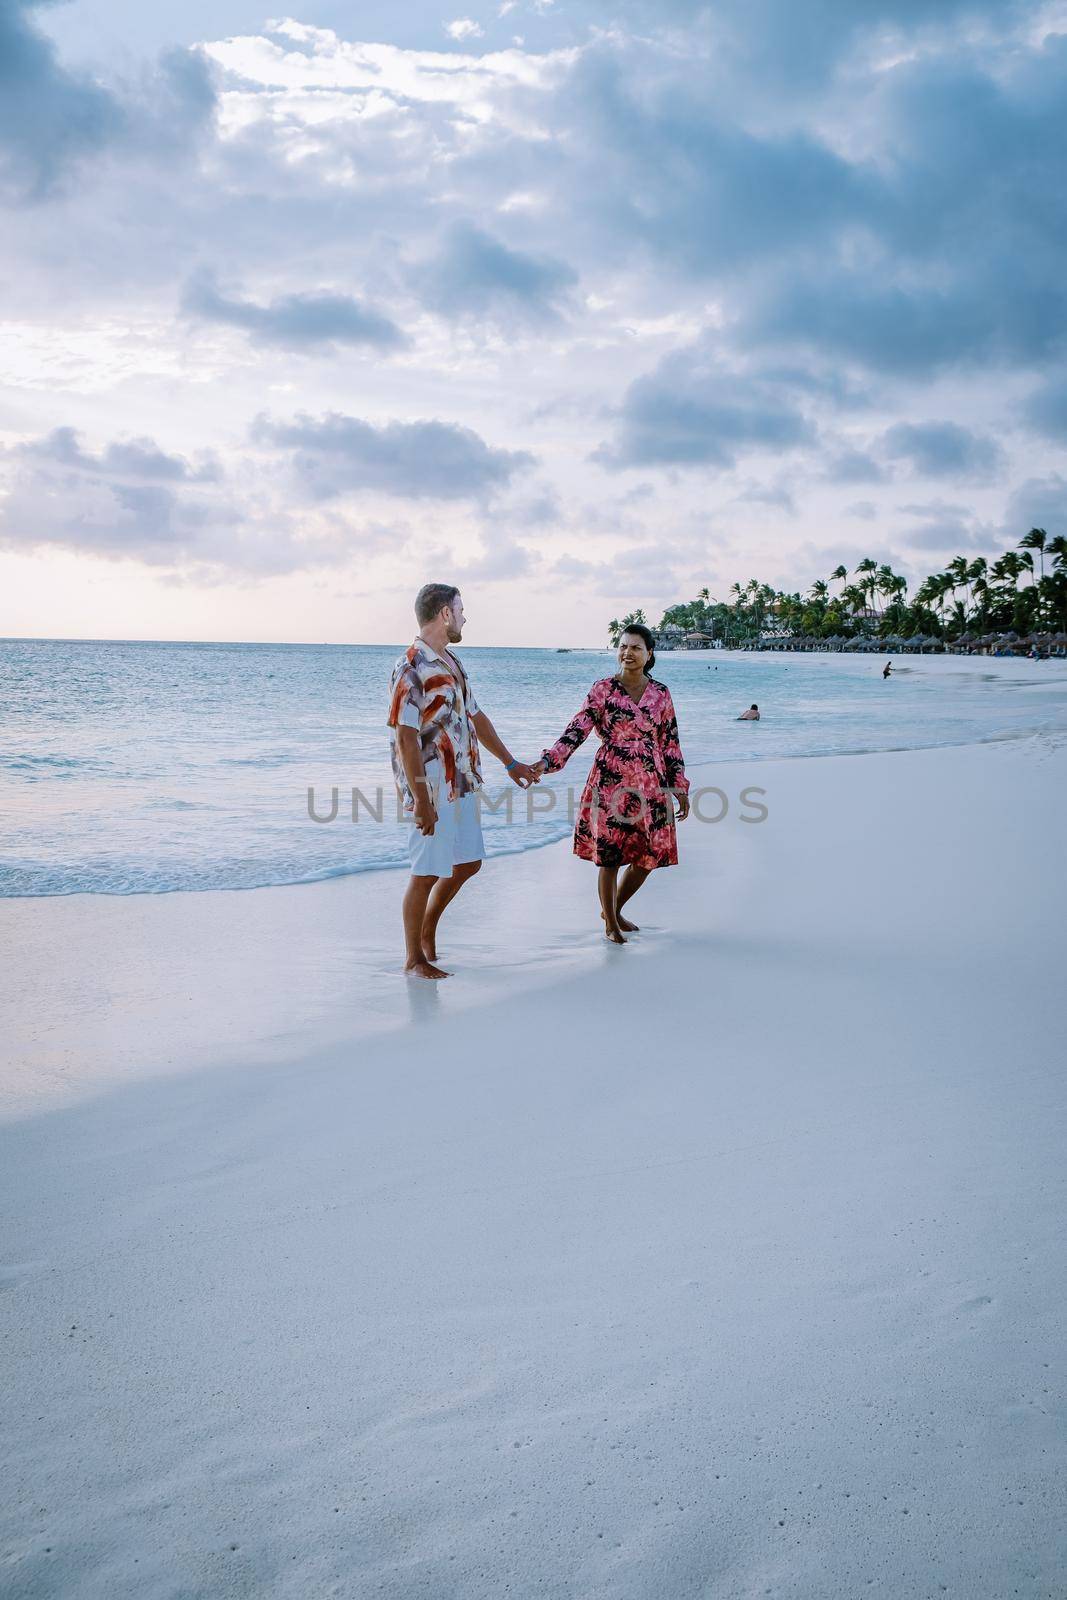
887 669
751 715
435 724
626 816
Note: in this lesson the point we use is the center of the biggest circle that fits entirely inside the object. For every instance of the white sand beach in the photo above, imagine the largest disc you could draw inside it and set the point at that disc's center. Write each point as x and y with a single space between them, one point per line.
727 1264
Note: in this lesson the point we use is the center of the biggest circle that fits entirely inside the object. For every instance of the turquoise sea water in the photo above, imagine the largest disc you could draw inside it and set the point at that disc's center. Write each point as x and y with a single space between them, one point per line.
140 768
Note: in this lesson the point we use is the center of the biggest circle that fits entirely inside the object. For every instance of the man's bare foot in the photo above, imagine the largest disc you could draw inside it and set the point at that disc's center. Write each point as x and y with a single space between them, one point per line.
429 946
615 934
626 925
421 968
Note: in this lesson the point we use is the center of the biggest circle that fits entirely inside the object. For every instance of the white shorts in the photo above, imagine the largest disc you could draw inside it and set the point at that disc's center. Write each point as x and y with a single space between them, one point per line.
457 838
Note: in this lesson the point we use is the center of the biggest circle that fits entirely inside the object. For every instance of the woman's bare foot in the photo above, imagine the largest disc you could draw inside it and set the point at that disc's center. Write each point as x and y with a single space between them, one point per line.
421 968
626 925
615 934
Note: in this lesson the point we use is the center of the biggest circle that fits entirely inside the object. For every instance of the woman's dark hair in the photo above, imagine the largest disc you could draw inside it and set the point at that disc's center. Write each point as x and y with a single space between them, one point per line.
646 634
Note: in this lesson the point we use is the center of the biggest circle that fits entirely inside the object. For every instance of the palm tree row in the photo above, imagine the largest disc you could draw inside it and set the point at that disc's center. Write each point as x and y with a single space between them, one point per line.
977 594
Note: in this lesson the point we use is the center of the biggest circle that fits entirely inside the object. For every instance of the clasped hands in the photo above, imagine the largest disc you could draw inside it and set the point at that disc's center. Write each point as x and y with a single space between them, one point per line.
525 773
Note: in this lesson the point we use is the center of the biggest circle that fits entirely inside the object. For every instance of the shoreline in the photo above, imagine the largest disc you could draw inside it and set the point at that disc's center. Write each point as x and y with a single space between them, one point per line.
1035 687
167 941
723 1261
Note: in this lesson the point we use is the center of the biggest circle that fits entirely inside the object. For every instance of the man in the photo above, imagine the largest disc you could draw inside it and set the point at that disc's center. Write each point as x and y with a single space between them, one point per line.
887 669
435 726
751 715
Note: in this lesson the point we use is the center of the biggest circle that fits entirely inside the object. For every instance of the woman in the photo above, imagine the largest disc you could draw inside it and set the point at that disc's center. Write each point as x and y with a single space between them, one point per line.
626 817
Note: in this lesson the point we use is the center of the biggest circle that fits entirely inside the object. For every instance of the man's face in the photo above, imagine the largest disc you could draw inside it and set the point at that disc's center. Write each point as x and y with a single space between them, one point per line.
455 619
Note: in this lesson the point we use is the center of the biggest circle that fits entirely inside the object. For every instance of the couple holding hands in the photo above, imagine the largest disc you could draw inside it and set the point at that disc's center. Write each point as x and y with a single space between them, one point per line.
626 818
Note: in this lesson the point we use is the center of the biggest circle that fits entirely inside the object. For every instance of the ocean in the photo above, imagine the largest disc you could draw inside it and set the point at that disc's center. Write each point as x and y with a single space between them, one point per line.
144 768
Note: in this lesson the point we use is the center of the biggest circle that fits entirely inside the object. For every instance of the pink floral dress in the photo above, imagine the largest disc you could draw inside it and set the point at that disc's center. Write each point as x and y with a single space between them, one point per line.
626 813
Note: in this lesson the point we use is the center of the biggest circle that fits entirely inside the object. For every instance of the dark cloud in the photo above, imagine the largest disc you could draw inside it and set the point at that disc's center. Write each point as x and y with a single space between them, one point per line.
146 522
474 275
944 527
778 45
629 577
424 460
943 450
297 321
1046 410
1037 503
764 494
693 411
132 499
857 317
853 466
948 538
500 561
662 164
136 458
961 244
53 119
135 501
50 118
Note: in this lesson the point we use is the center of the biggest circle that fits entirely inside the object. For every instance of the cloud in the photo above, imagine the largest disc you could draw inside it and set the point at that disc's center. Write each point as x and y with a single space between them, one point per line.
50 118
498 562
865 510
464 28
305 321
59 496
133 500
474 275
424 460
135 458
778 496
950 535
945 527
852 199
53 119
1046 410
1037 503
694 411
853 466
883 327
943 450
631 575
663 163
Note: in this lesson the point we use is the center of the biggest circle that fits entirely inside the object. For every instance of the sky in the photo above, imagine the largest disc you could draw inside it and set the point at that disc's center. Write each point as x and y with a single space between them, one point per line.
581 307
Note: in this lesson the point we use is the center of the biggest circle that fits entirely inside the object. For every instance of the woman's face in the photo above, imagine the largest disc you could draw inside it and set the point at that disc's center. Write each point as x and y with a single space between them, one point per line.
633 653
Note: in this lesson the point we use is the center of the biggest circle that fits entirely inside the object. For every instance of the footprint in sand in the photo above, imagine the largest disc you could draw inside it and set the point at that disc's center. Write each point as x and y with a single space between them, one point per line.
977 1304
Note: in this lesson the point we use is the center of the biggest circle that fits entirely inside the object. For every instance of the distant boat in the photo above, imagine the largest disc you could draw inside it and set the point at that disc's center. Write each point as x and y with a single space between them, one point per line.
563 650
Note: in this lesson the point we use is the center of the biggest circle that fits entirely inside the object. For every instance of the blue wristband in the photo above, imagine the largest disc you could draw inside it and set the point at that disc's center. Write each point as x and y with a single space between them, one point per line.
509 764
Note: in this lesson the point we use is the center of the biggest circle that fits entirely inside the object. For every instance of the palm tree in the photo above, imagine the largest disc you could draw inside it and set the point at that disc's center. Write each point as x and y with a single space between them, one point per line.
869 583
819 589
958 575
855 597
886 582
839 575
1035 540
617 629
